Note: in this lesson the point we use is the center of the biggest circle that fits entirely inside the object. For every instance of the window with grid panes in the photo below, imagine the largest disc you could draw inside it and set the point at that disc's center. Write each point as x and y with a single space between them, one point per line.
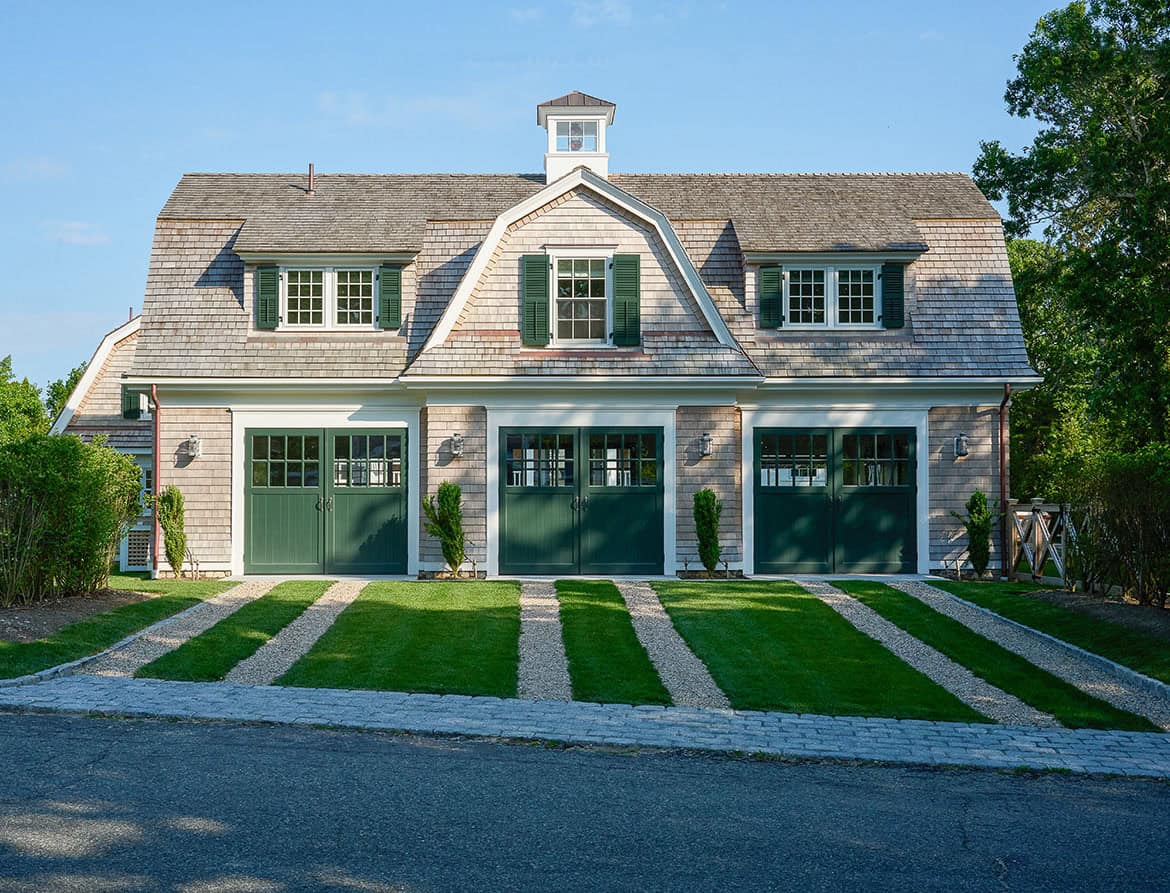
875 460
286 460
581 301
539 460
806 297
355 297
623 460
855 297
367 460
794 460
305 297
576 136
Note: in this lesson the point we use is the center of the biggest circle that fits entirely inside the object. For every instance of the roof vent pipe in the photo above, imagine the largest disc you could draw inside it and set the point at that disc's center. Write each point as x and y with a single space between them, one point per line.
312 180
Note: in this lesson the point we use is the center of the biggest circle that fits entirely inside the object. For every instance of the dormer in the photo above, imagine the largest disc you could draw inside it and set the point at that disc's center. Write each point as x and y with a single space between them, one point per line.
575 124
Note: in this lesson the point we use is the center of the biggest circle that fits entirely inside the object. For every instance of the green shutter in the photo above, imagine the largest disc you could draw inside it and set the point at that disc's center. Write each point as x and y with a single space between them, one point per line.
534 296
131 405
390 297
267 297
893 296
771 297
627 300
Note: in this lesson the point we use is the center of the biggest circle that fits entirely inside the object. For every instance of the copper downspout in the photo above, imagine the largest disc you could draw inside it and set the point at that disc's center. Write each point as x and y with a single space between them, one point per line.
1003 491
155 463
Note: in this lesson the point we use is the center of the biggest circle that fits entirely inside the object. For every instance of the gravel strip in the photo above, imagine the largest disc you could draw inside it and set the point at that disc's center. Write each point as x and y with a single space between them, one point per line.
1086 674
156 641
544 669
992 702
683 674
274 658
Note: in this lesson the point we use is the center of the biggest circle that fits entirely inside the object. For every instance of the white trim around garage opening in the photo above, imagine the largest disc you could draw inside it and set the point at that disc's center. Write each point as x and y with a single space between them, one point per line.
656 417
837 418
355 417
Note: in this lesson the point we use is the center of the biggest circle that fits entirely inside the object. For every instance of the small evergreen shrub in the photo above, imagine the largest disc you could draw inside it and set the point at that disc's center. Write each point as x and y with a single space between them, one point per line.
171 518
707 512
445 522
978 521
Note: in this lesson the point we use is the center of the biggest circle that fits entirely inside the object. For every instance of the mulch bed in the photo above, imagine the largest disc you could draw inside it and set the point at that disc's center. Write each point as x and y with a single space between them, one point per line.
1145 619
26 623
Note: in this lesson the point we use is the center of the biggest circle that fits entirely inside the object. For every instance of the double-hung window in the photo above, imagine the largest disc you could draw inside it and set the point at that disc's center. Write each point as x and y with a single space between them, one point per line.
582 286
832 297
328 298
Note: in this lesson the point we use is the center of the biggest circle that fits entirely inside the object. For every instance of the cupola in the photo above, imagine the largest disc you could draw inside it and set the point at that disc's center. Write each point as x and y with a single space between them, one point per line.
576 124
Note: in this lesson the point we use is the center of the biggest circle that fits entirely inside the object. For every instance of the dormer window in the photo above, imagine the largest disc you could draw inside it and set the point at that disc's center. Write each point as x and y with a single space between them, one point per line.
576 136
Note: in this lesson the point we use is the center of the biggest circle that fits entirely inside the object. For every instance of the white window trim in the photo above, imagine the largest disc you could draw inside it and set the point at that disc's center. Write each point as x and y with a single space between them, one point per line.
329 302
832 320
554 256
553 120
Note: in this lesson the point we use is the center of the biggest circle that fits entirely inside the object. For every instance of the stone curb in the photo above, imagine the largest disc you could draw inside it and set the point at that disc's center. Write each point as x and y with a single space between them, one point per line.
1154 686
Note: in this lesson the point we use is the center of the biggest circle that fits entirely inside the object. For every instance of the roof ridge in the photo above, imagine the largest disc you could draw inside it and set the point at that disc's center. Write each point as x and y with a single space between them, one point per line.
812 175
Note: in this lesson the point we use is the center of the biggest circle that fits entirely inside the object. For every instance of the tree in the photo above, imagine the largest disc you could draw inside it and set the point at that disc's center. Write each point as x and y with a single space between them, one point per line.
707 511
978 522
171 518
1096 76
21 412
445 523
57 392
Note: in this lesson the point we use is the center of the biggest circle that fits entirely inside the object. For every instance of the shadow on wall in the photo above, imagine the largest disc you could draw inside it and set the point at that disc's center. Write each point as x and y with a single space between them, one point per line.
226 270
434 289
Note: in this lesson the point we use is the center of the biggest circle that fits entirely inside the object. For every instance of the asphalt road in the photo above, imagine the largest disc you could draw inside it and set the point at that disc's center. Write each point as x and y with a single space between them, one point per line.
94 804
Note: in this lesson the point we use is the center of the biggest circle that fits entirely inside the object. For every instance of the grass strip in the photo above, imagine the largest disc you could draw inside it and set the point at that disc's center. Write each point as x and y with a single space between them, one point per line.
96 633
1131 648
210 656
774 646
1004 669
444 638
607 663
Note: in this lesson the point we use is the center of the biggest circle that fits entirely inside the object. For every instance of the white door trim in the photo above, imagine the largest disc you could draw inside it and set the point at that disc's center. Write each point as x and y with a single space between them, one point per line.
350 417
915 418
655 417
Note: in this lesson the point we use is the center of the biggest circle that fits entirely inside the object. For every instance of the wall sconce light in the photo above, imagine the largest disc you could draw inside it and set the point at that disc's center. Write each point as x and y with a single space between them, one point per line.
961 446
456 445
705 445
194 447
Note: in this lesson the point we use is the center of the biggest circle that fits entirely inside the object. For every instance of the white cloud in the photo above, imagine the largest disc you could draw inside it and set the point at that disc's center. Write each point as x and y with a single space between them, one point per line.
587 13
525 14
358 109
75 232
34 169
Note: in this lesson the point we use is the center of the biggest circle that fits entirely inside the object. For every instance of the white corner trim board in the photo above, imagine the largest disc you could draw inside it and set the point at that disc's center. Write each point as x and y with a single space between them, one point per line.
92 370
572 180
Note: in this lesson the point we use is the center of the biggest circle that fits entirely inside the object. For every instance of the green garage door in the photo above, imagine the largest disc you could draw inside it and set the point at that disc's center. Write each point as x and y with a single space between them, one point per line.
581 500
835 501
325 501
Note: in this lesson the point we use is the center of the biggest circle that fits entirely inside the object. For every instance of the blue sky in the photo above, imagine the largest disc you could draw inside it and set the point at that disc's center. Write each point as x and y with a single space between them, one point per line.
103 112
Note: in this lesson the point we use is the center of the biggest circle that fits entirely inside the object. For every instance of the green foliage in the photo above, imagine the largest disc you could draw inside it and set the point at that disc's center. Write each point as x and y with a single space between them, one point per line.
169 505
1126 524
21 412
64 507
57 392
445 523
1096 76
978 522
707 511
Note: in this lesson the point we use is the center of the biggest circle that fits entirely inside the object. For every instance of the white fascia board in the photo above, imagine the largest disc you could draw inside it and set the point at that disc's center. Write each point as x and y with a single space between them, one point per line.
579 383
901 381
326 258
91 371
306 384
832 258
619 197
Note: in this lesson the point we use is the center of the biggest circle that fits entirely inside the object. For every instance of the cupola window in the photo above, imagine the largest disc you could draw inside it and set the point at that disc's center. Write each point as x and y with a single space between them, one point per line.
576 136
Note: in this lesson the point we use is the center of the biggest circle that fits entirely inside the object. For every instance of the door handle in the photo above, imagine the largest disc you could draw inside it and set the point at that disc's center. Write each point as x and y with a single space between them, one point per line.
576 503
584 502
329 504
320 503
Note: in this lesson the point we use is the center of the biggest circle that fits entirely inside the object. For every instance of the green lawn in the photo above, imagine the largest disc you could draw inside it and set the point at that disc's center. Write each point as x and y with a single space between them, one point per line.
1145 653
209 657
774 646
607 663
447 638
1000 667
102 630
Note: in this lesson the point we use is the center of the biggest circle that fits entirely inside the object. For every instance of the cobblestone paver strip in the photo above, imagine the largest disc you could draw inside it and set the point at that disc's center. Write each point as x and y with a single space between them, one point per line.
992 702
157 640
683 674
886 740
1086 674
274 658
544 669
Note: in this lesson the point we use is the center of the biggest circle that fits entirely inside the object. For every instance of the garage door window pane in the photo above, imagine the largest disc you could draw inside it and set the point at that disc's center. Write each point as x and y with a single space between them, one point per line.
539 460
876 460
794 460
623 460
